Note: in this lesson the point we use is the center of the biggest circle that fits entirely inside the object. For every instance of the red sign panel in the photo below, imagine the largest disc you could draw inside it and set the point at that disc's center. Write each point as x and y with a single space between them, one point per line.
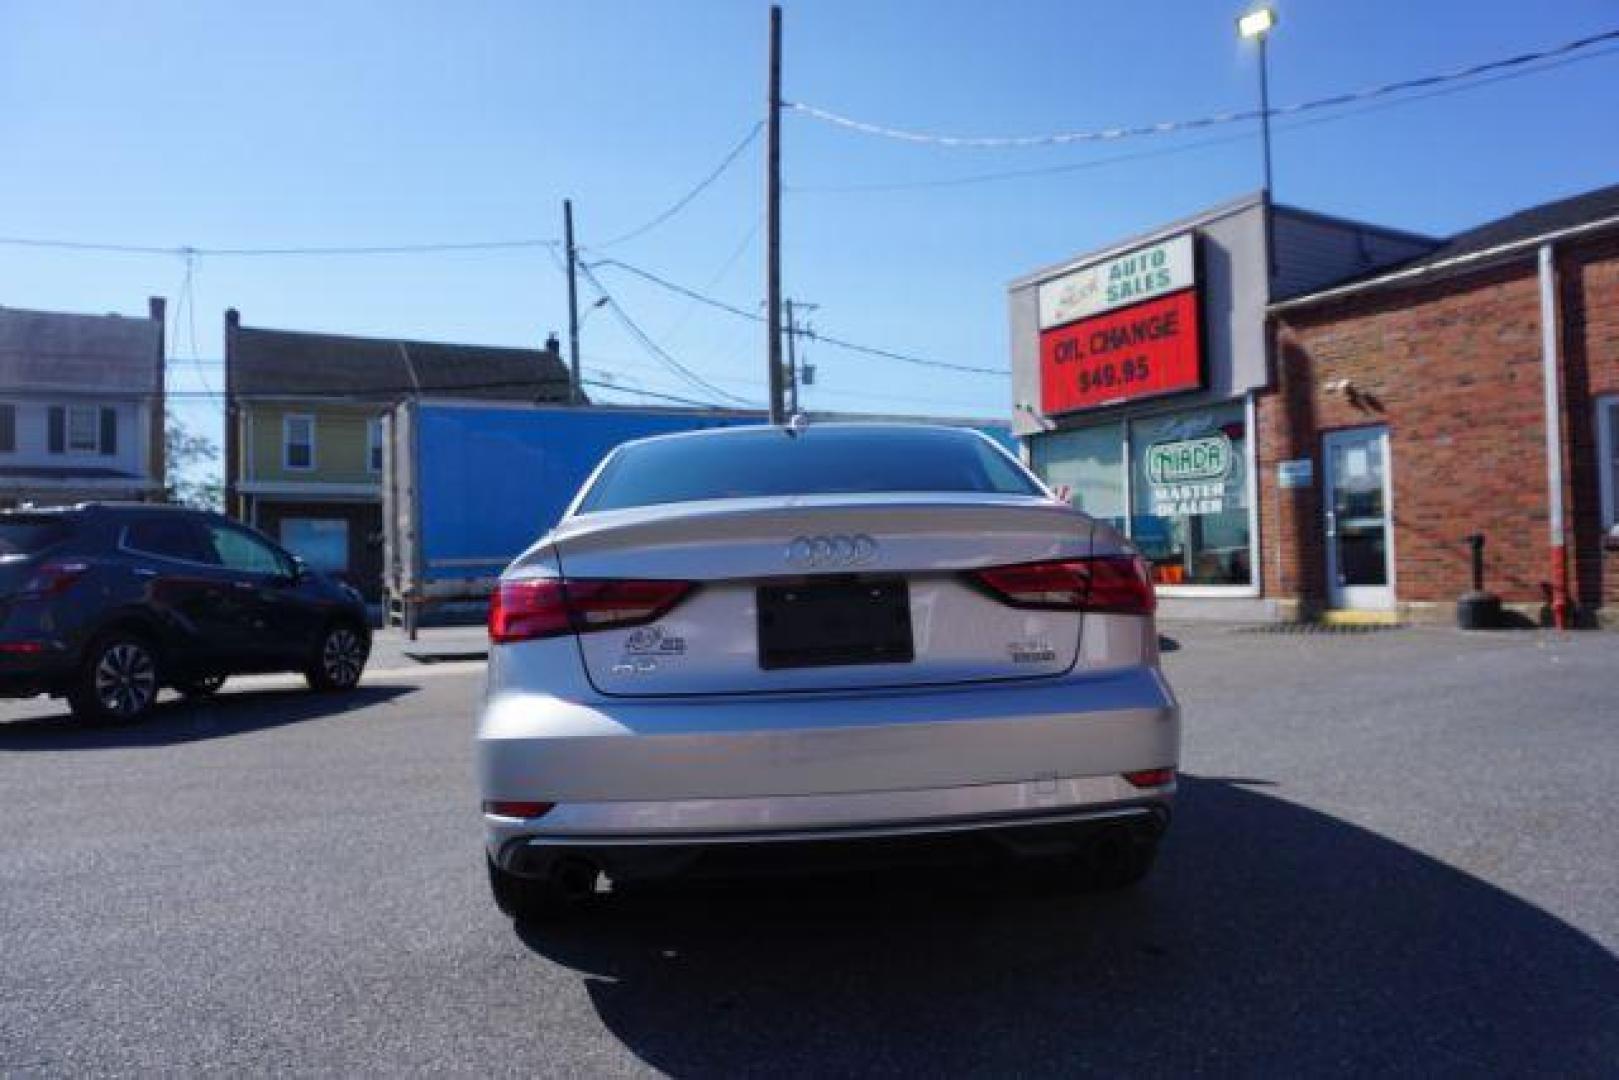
1136 352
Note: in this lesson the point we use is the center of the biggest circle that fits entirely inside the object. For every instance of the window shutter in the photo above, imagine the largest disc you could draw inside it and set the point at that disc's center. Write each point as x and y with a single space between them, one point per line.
58 430
109 432
8 429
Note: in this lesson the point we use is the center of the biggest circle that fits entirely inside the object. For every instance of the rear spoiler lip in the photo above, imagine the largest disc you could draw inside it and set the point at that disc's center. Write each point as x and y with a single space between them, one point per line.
583 525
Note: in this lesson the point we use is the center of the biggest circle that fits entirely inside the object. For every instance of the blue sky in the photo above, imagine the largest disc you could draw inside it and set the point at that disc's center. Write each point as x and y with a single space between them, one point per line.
247 125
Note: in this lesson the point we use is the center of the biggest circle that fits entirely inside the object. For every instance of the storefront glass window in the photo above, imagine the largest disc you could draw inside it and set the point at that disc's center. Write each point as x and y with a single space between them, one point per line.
1189 495
1090 464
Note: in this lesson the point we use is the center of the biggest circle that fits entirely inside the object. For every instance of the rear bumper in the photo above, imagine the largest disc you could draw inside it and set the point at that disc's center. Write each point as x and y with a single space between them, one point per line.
1027 835
713 773
534 746
24 674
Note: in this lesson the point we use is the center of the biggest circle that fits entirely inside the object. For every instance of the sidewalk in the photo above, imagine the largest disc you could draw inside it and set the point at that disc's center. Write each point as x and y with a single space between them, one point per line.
433 645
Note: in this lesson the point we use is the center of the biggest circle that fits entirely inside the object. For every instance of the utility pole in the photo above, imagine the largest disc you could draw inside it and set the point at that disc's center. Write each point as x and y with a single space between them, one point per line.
793 373
792 360
574 396
773 218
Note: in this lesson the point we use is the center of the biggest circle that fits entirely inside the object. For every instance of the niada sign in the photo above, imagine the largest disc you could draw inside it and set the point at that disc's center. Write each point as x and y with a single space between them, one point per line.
1189 476
1126 279
1181 461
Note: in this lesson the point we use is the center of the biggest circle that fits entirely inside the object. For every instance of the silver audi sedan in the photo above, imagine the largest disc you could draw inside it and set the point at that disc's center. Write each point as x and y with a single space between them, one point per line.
819 646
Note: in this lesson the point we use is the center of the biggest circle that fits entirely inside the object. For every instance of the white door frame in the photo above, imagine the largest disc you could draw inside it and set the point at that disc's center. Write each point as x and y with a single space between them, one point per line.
1357 597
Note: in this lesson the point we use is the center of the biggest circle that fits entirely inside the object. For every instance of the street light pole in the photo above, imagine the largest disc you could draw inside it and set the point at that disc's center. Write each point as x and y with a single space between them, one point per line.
1257 24
1264 108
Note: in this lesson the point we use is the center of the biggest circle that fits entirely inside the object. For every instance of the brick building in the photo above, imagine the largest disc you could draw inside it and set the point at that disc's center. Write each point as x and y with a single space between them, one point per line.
1441 365
1297 416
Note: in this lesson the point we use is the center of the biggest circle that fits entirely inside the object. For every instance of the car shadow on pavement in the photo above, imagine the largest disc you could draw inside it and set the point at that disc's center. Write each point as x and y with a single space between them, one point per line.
180 721
1270 938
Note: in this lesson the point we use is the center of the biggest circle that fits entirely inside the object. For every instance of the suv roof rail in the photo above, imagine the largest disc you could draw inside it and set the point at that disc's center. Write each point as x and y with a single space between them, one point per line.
132 504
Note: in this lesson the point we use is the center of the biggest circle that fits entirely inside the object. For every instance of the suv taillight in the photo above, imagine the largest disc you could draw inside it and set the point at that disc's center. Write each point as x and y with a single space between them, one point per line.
1115 584
545 607
53 578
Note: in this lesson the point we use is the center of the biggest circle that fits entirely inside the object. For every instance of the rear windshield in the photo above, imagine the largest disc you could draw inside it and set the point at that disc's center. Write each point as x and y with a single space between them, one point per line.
29 535
740 464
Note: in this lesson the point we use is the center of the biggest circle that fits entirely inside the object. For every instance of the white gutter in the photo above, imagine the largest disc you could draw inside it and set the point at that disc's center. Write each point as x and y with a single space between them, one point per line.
1558 536
1414 272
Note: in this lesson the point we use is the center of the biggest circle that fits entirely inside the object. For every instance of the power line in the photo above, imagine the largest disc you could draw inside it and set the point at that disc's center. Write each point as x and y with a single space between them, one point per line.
684 290
653 347
717 276
813 335
600 384
1186 148
184 251
1002 142
889 354
686 199
1498 68
757 384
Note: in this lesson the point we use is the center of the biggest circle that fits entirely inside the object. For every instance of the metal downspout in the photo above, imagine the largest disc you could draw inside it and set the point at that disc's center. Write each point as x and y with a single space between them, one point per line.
1549 357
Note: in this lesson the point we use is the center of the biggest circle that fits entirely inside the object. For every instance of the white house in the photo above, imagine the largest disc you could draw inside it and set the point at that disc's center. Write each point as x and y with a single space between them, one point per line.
81 406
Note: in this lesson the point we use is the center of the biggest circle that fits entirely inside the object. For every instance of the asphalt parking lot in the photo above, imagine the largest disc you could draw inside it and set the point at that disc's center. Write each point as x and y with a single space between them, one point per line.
1395 853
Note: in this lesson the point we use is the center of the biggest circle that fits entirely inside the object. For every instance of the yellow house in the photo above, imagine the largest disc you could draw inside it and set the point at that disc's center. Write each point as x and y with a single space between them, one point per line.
303 447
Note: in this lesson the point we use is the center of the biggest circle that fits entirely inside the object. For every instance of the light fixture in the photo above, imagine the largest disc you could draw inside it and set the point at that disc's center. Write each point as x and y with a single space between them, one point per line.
1257 23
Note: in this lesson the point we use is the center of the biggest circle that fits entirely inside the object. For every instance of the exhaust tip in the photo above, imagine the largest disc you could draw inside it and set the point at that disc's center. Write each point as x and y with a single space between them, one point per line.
575 877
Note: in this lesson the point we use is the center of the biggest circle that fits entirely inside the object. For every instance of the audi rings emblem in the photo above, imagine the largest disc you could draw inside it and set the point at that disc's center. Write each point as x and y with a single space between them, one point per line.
820 552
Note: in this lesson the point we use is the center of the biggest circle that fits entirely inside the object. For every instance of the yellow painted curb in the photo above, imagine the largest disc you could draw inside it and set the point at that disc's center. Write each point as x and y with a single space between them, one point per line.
1360 618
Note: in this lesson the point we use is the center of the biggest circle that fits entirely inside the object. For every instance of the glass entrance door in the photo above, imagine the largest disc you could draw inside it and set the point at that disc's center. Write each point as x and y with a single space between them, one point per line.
1360 548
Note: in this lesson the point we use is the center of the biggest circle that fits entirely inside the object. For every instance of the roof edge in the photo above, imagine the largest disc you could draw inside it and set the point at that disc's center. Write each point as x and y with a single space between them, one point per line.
324 336
1459 264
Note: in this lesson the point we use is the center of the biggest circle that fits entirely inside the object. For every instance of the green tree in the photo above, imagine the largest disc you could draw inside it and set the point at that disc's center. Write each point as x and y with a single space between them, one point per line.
191 479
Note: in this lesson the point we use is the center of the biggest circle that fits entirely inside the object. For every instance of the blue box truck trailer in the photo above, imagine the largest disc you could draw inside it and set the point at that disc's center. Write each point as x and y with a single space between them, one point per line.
468 486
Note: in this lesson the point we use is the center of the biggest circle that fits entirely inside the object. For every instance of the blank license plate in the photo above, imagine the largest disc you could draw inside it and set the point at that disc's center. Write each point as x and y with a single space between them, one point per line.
835 623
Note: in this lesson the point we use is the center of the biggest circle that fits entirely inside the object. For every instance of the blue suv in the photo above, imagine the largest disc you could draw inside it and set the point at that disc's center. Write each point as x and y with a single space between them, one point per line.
105 604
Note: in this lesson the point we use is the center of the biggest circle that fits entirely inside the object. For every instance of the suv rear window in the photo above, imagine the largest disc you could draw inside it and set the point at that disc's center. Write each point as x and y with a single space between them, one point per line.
740 463
29 535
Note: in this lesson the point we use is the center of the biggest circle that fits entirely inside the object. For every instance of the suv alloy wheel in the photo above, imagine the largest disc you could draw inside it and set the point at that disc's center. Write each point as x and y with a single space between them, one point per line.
340 657
118 681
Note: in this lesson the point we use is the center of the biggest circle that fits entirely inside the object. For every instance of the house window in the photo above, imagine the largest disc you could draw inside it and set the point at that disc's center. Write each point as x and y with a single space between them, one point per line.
1608 460
298 442
83 430
8 428
373 444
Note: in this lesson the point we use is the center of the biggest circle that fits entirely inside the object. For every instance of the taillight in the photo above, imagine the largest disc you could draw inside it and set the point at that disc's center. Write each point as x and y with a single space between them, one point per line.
54 578
1145 778
1118 584
532 608
522 610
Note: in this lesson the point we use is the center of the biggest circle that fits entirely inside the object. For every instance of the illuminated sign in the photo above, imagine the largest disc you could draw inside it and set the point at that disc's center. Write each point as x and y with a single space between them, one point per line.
1117 282
1146 350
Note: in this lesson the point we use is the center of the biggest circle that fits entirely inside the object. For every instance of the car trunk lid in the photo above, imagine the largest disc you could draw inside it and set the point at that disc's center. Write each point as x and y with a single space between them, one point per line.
826 592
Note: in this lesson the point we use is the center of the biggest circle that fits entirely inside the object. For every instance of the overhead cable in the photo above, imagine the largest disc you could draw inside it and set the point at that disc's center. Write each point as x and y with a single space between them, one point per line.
1168 127
652 347
972 179
813 335
185 251
686 199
